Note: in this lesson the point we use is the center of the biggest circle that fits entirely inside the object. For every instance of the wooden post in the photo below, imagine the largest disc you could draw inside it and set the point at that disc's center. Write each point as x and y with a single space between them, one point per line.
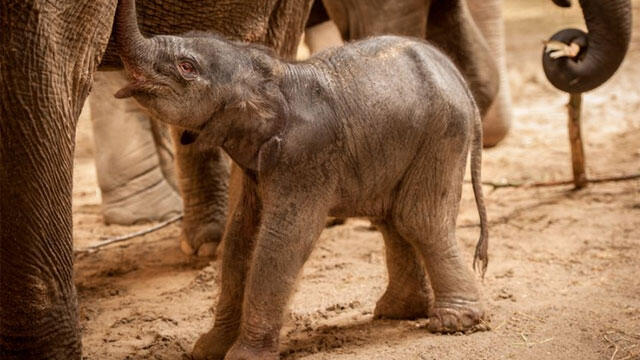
575 139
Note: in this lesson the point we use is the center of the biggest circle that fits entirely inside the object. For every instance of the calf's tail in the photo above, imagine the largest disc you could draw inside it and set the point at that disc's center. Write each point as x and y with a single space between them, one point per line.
481 256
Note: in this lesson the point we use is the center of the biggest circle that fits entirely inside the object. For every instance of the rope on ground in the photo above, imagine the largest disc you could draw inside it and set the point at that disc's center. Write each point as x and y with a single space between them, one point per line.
121 238
495 185
500 185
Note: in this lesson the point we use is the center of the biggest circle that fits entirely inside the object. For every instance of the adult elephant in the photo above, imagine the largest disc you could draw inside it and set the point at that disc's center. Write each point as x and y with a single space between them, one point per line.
49 51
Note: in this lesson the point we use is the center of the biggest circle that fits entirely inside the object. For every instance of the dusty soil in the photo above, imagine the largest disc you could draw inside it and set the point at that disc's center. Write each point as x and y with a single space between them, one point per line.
562 283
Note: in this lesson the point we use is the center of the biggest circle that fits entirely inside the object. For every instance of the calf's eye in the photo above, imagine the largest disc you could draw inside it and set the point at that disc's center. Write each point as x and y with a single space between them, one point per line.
187 69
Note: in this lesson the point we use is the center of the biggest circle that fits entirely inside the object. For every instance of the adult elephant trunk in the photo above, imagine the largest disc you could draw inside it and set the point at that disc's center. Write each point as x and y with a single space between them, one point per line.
602 49
135 50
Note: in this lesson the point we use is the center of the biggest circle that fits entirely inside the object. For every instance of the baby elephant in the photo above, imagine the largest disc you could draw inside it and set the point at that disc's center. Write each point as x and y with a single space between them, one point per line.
379 128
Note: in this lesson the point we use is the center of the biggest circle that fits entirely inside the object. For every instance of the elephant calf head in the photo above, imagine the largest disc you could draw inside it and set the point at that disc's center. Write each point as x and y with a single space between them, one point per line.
185 80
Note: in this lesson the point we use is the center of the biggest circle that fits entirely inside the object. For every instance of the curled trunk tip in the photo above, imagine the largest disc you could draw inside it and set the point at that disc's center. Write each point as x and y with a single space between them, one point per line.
602 49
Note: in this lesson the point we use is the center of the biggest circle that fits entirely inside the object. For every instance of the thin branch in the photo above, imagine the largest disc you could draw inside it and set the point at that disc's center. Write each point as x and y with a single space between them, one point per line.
505 219
495 185
117 239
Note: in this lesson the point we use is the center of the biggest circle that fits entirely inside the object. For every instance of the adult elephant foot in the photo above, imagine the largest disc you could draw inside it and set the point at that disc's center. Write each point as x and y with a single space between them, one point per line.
205 204
201 240
155 203
203 178
134 188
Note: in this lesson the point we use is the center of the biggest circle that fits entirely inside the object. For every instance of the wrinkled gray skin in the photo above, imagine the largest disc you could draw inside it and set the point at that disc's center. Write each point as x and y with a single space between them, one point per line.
379 128
49 51
449 26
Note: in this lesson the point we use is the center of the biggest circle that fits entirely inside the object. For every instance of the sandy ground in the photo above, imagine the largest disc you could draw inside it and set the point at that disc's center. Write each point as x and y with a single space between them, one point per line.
562 281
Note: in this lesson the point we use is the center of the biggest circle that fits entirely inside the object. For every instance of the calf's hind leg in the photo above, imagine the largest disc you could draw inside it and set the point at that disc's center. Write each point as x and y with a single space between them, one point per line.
408 293
427 219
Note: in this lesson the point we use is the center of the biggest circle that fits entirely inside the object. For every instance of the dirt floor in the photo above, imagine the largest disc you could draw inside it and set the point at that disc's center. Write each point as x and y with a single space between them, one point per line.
563 279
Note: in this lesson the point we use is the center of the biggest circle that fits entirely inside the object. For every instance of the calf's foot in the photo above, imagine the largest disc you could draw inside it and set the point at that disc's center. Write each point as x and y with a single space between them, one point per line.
457 316
241 351
409 293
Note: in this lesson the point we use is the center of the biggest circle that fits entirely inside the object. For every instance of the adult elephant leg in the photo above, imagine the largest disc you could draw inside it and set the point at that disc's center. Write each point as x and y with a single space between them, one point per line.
487 14
202 179
452 29
321 32
48 53
134 188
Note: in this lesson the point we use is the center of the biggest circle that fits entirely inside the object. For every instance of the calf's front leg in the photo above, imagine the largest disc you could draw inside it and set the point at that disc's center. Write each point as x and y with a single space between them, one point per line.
239 242
284 242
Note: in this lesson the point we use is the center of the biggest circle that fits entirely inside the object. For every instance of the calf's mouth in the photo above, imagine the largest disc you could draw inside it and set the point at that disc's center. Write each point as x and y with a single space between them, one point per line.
188 137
